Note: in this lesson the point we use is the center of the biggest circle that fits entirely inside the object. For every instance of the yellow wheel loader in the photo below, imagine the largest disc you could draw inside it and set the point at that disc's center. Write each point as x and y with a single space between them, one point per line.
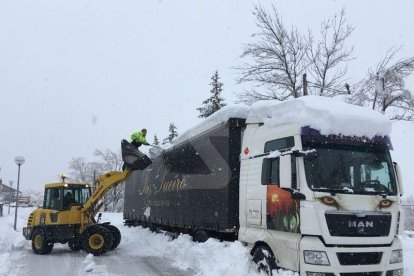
69 210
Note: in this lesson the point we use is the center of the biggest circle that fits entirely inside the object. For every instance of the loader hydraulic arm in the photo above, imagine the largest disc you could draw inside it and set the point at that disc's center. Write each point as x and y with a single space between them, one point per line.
104 183
133 160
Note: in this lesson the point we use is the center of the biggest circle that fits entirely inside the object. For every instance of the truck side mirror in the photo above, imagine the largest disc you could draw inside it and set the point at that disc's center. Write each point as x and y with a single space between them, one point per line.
399 178
286 171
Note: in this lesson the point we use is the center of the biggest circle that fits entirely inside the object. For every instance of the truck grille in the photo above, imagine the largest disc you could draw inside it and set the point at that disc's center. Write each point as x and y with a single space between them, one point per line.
366 258
367 224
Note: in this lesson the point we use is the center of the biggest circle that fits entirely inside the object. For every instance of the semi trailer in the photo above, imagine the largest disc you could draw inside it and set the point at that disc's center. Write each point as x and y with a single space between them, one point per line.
308 185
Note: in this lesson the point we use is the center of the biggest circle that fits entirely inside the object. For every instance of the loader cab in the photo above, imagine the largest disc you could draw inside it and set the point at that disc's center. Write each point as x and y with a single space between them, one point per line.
62 196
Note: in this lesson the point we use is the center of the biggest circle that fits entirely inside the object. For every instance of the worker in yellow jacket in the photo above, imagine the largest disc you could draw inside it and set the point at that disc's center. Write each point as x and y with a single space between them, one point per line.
138 138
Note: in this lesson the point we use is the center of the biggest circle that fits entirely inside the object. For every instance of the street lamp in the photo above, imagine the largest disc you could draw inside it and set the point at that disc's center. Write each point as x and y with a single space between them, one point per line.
19 160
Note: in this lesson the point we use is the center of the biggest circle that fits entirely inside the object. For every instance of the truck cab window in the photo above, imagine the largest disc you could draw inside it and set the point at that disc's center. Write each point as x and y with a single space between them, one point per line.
279 144
270 171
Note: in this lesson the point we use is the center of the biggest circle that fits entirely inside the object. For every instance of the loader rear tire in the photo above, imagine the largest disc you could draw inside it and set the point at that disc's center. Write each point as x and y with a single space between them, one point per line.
97 240
116 234
40 244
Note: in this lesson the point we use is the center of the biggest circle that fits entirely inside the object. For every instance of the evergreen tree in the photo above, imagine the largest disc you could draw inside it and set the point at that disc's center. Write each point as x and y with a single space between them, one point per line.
173 132
156 141
215 102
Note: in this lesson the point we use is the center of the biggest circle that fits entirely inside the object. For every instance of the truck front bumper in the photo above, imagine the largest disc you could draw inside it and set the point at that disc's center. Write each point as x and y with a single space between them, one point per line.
347 260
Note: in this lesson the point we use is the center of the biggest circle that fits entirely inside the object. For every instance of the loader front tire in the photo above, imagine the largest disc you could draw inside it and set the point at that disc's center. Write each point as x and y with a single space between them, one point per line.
40 244
97 240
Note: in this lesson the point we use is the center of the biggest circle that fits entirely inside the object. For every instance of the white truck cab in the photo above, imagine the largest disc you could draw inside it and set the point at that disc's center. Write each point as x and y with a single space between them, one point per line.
320 204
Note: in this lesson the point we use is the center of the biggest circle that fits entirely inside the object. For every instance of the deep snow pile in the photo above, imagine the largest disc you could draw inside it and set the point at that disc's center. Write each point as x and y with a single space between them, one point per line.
328 115
209 258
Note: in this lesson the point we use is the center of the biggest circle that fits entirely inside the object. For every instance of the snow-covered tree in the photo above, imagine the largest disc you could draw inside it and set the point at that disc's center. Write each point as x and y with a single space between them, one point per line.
384 87
173 132
215 102
279 56
83 171
80 170
156 141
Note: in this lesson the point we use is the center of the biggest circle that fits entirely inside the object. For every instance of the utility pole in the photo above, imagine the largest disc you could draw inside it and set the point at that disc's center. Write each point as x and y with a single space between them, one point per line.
305 85
11 193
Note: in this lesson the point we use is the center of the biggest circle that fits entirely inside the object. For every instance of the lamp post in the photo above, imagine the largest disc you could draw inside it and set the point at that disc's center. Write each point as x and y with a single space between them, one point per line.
19 160
11 194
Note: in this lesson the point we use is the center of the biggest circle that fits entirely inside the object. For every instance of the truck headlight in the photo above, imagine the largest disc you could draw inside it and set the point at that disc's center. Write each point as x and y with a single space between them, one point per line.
316 257
396 256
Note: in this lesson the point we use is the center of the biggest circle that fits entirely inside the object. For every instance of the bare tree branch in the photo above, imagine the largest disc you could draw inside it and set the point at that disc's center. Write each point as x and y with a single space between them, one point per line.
328 53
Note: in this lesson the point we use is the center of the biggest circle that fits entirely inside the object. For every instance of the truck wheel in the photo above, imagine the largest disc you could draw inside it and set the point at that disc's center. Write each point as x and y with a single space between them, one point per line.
116 234
264 259
201 236
97 240
40 244
75 245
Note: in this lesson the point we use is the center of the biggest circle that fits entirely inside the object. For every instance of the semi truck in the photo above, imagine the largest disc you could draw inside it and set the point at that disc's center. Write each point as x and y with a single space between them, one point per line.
297 192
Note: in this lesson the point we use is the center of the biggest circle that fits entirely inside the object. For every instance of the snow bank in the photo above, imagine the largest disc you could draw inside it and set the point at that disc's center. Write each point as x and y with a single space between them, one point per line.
328 115
210 258
10 239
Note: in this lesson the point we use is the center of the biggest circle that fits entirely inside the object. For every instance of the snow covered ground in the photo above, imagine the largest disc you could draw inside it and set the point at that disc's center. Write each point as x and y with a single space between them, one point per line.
141 252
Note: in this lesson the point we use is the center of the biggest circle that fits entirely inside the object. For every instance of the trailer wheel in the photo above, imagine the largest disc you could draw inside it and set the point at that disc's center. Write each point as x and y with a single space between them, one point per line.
201 236
116 234
75 245
97 240
40 244
264 259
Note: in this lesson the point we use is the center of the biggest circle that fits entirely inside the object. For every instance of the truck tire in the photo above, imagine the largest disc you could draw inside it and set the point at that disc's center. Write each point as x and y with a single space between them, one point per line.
97 240
40 244
116 234
264 259
75 245
201 236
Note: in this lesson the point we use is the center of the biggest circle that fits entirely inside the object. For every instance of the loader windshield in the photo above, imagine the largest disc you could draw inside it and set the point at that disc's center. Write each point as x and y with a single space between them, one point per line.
63 198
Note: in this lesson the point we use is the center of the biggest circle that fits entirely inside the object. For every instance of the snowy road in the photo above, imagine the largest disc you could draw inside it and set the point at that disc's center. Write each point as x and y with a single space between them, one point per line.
140 252
62 261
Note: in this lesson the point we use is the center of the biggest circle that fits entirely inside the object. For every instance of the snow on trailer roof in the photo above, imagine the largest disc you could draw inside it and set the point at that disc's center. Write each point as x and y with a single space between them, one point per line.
327 115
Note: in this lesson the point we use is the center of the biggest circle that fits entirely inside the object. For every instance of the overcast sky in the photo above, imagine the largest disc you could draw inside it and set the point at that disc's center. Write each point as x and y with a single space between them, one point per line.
76 76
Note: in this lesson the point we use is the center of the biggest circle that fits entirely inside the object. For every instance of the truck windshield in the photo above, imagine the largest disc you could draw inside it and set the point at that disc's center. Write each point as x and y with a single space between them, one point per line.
357 170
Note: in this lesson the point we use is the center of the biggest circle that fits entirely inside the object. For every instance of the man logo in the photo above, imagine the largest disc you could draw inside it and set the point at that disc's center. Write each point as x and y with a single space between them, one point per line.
360 224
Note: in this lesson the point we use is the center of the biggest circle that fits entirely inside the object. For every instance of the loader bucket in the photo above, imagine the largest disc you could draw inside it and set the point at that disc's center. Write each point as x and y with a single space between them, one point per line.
133 158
